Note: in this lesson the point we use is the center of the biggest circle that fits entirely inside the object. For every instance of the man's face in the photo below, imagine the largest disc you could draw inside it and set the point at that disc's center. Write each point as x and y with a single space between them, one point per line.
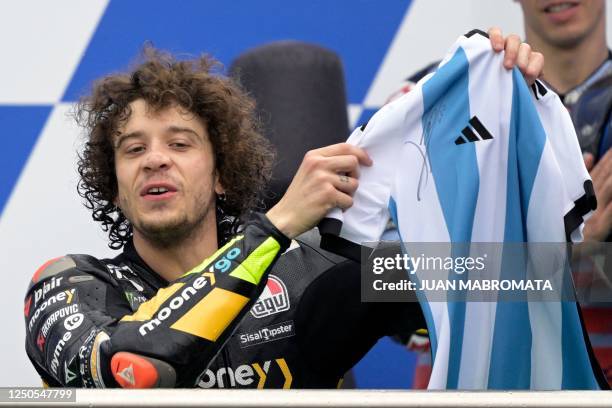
563 23
165 173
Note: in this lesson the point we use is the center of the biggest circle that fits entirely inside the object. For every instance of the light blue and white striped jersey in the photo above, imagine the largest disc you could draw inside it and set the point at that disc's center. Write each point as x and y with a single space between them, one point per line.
471 154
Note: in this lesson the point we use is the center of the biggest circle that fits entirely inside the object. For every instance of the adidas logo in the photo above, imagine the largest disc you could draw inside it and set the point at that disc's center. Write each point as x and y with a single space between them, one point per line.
471 135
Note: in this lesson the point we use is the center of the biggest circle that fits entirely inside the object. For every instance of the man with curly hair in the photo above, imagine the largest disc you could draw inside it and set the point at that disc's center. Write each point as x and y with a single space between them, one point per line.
205 292
172 167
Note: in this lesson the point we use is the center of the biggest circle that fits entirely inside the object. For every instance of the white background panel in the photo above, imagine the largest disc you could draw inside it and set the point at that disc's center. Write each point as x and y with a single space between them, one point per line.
41 44
43 219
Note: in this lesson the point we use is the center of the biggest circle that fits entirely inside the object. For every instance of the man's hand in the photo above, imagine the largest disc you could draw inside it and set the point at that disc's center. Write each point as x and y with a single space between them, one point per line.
598 227
327 178
517 53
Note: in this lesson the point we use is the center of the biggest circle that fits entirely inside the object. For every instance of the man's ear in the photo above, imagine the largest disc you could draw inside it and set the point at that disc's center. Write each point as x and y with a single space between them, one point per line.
218 187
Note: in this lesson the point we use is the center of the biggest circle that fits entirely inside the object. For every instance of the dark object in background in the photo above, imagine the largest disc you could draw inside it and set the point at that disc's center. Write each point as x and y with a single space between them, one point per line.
591 117
301 102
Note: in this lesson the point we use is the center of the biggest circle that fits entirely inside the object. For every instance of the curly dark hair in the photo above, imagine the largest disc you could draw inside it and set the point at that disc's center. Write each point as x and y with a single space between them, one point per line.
243 157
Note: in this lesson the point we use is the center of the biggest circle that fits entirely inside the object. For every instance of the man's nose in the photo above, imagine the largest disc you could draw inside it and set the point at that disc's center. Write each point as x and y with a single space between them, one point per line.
156 160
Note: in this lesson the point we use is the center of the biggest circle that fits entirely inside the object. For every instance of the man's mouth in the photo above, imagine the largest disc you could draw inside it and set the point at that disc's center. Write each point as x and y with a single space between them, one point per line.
157 191
559 7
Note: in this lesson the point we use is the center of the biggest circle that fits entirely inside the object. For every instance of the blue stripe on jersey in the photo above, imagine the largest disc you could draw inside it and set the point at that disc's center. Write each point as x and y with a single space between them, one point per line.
429 320
455 171
510 366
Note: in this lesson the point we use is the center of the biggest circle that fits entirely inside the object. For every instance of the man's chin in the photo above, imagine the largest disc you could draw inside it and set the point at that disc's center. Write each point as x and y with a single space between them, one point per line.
166 233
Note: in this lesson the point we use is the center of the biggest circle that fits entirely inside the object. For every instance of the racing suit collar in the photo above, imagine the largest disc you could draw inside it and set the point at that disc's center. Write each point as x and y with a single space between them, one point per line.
144 270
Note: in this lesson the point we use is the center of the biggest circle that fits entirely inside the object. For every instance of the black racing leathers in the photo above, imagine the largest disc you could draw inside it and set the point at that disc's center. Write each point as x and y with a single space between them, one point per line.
80 311
231 322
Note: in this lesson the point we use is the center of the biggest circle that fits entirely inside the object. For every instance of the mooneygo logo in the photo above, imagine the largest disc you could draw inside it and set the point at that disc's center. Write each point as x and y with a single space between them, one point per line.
246 374
174 304
273 299
66 296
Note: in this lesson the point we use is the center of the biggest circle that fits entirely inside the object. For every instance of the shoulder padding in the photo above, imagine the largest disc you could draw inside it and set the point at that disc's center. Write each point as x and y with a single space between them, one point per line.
52 267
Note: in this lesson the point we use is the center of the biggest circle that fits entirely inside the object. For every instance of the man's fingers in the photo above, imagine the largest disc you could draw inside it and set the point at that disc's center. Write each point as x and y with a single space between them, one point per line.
346 164
511 48
517 53
497 39
534 68
589 160
522 58
343 201
341 149
346 184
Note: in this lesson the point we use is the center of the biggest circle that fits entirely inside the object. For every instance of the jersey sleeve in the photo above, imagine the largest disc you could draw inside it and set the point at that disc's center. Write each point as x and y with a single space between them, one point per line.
384 137
578 188
80 330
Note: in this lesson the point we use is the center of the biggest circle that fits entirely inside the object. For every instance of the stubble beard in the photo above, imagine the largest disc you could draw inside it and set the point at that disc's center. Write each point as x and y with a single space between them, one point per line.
174 233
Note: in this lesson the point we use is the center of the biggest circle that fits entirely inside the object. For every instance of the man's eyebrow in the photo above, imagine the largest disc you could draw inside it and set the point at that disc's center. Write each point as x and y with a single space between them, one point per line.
182 129
170 129
124 136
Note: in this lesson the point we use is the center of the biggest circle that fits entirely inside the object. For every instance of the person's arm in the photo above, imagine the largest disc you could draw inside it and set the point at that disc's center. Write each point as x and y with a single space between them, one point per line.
599 226
334 344
74 339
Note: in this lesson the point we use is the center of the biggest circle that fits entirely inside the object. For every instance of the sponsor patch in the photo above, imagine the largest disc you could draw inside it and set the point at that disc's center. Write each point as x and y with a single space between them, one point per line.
128 375
59 347
66 296
246 375
41 293
71 323
74 321
135 299
150 310
266 334
70 372
120 272
274 299
51 320
55 316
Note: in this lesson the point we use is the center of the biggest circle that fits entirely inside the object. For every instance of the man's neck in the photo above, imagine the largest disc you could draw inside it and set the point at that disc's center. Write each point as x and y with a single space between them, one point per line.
174 261
566 68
